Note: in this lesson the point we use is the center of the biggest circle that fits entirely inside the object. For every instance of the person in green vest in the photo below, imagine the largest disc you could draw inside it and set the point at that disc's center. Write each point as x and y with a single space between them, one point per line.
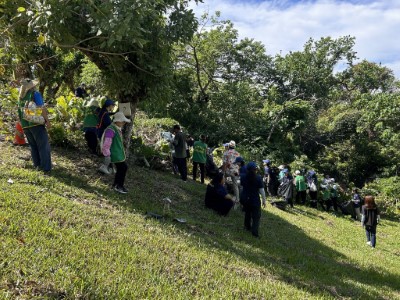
199 157
30 102
326 187
114 152
301 187
90 123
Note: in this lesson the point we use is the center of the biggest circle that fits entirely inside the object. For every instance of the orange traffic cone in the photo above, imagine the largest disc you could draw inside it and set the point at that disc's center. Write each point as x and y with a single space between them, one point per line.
19 138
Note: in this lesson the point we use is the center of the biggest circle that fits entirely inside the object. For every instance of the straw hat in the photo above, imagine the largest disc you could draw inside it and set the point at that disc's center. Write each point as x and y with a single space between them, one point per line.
26 85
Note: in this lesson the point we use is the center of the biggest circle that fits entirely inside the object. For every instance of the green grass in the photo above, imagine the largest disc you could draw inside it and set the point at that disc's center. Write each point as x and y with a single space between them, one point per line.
70 236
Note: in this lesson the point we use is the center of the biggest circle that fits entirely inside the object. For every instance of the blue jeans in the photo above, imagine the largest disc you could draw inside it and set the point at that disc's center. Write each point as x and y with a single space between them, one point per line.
370 231
40 148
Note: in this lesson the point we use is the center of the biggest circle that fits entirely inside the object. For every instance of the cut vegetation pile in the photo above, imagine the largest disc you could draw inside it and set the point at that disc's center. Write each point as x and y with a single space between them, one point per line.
70 236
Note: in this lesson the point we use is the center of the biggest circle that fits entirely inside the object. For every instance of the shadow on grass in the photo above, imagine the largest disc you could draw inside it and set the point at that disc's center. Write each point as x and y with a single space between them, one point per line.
295 258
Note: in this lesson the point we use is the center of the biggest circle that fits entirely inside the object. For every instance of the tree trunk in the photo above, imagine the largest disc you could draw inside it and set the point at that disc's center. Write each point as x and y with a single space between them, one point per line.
128 128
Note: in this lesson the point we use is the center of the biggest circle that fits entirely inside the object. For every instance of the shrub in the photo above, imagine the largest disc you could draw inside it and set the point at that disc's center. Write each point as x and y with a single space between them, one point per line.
386 191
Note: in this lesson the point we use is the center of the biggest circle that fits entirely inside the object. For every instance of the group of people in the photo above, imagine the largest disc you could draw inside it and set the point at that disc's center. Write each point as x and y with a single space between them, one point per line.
243 180
248 189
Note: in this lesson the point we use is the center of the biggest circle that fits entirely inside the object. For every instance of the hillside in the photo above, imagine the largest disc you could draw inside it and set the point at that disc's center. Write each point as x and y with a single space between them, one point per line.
69 236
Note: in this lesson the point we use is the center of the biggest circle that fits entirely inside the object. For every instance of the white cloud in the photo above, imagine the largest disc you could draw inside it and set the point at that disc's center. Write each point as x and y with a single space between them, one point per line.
282 26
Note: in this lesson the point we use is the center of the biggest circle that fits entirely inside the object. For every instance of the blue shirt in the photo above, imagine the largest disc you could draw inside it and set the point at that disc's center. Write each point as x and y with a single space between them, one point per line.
250 194
37 97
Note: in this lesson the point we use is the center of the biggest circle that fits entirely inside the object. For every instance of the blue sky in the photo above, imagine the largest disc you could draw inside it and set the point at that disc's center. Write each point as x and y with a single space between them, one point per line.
286 25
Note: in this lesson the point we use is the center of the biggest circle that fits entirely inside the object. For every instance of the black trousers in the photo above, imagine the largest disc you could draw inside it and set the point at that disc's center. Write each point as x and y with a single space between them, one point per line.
182 167
122 168
202 171
252 218
301 195
91 140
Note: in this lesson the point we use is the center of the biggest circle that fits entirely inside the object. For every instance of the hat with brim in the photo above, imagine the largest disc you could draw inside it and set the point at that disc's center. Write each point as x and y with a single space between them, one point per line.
266 161
281 167
297 172
232 144
93 102
26 85
120 117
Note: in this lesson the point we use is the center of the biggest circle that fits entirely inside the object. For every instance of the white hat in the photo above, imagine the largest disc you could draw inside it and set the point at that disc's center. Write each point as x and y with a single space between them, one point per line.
26 85
297 172
119 117
93 102
281 167
232 144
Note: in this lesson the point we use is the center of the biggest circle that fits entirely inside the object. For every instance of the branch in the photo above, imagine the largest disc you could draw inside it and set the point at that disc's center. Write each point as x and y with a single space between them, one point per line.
33 62
275 122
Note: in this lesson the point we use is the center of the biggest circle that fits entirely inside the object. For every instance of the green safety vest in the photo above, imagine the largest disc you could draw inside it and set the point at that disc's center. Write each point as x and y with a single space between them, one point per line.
199 152
21 106
117 147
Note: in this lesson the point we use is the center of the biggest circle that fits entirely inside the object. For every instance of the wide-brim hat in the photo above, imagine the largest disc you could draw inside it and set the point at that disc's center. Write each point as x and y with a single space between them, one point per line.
120 117
26 85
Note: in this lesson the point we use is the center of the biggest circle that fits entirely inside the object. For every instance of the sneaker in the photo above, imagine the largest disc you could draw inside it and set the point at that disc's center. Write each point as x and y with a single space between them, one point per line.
369 243
120 189
103 169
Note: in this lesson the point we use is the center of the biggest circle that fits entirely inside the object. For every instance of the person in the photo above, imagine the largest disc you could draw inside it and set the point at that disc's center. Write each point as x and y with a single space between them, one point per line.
356 199
80 91
230 169
179 143
281 173
217 197
36 133
312 185
114 152
105 121
253 187
326 193
199 157
370 219
105 114
286 187
242 165
334 194
301 187
270 178
90 122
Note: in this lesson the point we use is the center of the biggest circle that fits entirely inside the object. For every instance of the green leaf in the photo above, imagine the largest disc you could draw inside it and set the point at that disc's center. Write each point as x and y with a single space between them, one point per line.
21 9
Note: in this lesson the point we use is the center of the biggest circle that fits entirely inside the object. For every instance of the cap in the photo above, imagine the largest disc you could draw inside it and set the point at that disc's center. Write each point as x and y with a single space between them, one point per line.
120 117
281 167
109 102
225 144
232 144
285 171
251 166
297 172
266 161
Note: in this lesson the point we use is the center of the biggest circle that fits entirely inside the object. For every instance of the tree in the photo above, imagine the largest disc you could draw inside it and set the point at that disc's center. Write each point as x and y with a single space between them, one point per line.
130 41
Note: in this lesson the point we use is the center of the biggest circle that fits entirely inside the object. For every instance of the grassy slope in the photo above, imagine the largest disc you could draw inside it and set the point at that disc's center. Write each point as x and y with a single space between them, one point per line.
70 236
